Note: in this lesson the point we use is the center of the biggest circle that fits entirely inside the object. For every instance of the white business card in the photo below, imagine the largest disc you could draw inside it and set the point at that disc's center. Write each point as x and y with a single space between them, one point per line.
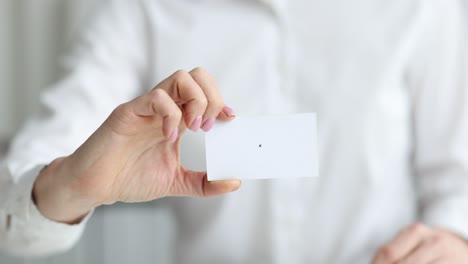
283 146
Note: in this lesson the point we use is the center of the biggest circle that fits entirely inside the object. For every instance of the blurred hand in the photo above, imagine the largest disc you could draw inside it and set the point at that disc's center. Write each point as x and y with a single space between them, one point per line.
134 155
421 244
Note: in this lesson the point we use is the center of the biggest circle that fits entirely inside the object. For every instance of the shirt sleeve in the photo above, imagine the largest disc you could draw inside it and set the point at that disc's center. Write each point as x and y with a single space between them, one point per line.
106 67
24 230
438 78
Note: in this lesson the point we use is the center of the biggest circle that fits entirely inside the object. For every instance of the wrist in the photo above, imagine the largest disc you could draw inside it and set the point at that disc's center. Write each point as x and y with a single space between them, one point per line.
57 198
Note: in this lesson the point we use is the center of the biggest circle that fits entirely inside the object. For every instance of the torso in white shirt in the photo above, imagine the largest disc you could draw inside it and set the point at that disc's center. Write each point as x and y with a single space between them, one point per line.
342 59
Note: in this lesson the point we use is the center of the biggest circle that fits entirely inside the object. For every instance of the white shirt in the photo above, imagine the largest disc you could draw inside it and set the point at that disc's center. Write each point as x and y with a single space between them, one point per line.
388 80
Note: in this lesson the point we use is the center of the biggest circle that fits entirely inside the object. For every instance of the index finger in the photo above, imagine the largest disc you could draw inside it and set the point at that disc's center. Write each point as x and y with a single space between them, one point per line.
186 92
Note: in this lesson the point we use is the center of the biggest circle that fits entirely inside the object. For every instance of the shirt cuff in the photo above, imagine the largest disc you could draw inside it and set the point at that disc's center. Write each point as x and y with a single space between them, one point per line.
28 230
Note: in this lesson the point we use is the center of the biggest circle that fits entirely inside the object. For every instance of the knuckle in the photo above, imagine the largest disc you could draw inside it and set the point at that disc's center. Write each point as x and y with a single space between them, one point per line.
216 104
203 74
181 79
438 239
181 75
435 240
122 114
203 101
388 253
199 71
121 109
157 95
417 228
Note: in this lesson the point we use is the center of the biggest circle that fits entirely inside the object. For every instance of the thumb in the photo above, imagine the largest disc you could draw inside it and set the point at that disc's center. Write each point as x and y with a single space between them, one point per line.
196 184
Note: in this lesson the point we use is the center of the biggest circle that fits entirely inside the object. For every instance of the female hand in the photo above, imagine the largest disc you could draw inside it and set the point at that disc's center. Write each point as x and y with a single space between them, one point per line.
134 155
421 244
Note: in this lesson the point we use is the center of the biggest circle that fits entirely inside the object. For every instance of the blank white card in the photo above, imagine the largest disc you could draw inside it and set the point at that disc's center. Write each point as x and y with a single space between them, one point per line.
283 146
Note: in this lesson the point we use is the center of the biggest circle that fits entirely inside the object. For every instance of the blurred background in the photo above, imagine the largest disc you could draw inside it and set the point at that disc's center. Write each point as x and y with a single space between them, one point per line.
33 35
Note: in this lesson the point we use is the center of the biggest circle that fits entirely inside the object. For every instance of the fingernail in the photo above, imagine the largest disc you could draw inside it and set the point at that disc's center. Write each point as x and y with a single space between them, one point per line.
228 111
174 135
235 185
196 123
208 124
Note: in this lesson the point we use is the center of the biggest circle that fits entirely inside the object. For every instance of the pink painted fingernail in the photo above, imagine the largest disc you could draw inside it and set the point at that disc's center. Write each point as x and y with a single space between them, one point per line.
208 124
174 135
196 123
228 111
